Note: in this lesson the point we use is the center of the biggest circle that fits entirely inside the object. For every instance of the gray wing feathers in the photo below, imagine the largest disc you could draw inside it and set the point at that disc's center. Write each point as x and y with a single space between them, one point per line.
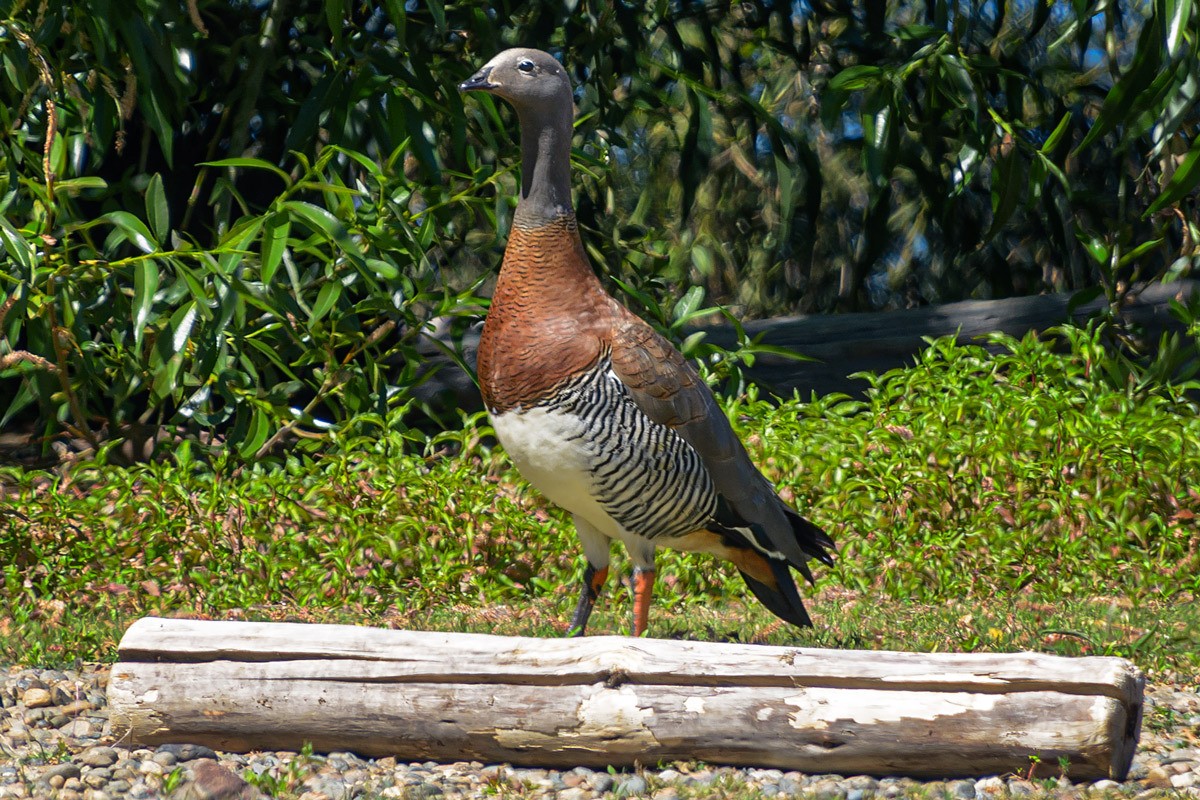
669 391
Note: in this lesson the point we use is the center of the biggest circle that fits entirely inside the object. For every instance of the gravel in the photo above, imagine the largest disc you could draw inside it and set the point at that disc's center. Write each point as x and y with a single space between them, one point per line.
56 743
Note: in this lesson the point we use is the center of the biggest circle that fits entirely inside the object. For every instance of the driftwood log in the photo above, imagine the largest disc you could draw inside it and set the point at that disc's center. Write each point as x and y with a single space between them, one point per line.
845 344
610 700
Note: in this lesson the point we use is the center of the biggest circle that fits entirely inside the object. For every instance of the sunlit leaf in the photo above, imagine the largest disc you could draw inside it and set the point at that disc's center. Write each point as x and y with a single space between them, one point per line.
134 230
156 208
1183 181
145 286
16 246
326 299
256 434
860 76
274 241
250 163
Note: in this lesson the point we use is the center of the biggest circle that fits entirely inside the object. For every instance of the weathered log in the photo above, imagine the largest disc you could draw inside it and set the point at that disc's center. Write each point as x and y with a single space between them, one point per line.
845 344
611 700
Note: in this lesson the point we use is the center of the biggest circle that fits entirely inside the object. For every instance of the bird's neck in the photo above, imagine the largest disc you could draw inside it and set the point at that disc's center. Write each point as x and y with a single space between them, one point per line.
545 167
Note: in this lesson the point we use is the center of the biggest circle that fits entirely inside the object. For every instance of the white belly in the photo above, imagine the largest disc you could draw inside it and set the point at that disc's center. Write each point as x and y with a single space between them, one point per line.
551 451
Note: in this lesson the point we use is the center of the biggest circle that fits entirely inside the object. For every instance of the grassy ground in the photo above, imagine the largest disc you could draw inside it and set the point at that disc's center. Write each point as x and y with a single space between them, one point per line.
981 500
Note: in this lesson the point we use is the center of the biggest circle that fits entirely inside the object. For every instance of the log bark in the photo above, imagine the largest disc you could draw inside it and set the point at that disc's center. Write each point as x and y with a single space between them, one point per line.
611 700
846 344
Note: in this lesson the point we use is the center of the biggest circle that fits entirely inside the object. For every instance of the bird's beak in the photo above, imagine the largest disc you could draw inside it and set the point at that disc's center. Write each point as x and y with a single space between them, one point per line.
479 82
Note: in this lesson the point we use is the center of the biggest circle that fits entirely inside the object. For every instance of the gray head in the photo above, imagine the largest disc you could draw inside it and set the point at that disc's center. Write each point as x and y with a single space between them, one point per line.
532 80
537 86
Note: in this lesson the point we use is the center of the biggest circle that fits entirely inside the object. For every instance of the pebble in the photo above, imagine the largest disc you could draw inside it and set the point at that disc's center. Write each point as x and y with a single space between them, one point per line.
61 746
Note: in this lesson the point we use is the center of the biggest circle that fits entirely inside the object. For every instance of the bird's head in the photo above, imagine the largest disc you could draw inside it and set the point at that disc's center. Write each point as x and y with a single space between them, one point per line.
532 80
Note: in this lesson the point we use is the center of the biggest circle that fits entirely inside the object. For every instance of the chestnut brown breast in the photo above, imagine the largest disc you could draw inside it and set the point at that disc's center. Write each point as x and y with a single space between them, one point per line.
550 319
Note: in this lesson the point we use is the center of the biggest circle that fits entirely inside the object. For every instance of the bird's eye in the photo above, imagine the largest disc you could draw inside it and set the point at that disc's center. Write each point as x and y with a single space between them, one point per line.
525 66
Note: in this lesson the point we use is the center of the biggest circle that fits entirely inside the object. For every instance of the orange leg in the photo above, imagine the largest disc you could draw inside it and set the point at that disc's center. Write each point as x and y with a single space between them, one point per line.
643 592
593 582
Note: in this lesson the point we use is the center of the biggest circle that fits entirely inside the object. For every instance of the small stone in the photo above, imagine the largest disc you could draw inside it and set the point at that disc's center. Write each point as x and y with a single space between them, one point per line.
187 752
99 756
76 707
601 782
423 790
989 787
36 697
97 778
1185 780
632 784
864 782
1019 787
961 790
828 789
574 793
64 771
669 775
95 794
1105 785
1157 777
211 781
151 767
666 793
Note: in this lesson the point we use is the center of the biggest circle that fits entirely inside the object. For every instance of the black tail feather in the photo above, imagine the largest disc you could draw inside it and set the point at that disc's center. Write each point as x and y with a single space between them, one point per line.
813 541
782 600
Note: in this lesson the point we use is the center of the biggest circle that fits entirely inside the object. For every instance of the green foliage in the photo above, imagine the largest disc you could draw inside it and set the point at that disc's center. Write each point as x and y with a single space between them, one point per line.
1002 495
991 105
230 222
301 317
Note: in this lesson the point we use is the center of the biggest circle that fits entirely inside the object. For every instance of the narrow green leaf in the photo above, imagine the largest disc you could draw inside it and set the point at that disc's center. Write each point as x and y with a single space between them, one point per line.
1057 134
1185 179
156 208
1096 248
76 185
395 12
333 19
1122 101
145 286
383 269
702 259
134 229
256 434
317 218
250 163
182 322
328 295
686 305
1177 13
321 221
853 78
1008 189
274 242
1139 251
880 138
16 246
166 379
437 9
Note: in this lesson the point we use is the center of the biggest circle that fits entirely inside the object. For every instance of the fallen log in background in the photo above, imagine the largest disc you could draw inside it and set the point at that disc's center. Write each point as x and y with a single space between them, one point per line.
610 700
845 344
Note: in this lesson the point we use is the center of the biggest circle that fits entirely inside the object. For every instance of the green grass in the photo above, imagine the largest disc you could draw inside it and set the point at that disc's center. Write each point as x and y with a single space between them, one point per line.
985 499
